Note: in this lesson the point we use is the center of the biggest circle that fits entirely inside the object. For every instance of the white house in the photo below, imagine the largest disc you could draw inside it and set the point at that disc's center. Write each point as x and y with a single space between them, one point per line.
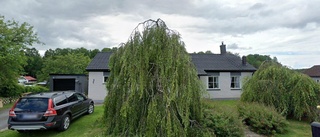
313 72
222 74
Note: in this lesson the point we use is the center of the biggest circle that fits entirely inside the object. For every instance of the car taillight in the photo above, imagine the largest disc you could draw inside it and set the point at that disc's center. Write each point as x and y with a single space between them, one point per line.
11 111
50 111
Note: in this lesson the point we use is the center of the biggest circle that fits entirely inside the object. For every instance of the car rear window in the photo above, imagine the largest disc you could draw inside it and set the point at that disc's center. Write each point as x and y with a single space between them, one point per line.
32 104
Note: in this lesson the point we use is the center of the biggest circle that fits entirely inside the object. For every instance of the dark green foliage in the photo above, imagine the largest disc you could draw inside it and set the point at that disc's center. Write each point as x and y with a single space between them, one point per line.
292 94
50 53
262 119
17 90
224 122
34 62
153 86
114 49
256 60
14 39
35 89
11 90
74 63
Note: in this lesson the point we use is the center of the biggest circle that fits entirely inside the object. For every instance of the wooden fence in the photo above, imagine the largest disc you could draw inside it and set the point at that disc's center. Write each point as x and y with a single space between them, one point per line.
8 100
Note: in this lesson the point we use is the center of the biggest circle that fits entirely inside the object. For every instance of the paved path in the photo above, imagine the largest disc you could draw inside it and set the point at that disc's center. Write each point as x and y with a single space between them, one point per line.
4 114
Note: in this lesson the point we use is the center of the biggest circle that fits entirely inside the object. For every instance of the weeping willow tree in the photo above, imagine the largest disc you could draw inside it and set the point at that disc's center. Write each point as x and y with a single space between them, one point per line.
293 94
153 85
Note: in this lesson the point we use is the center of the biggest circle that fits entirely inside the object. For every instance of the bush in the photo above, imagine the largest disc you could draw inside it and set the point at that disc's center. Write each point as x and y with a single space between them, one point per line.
223 121
14 90
292 94
262 119
198 131
35 89
11 90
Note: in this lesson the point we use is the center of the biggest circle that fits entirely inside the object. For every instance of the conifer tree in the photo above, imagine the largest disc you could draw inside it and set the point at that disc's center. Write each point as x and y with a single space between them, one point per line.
153 85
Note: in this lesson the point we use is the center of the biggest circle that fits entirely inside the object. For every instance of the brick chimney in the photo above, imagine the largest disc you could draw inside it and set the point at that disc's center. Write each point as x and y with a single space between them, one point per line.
223 49
244 60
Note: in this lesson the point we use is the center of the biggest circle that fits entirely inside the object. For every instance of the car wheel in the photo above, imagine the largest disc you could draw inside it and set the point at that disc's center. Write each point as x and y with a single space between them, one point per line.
65 123
90 109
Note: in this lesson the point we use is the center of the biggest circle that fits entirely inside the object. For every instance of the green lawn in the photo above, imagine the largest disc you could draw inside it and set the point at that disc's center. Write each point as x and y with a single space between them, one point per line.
85 126
6 106
90 125
295 128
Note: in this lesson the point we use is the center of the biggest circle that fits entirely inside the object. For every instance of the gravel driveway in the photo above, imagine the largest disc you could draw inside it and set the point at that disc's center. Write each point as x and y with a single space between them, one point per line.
4 114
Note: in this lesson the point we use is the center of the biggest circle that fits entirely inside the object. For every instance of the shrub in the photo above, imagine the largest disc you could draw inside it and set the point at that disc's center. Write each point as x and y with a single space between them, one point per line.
262 119
292 94
35 89
11 90
223 121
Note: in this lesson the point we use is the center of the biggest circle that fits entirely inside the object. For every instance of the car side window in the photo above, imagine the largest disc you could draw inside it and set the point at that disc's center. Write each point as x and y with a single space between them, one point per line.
79 97
60 100
73 98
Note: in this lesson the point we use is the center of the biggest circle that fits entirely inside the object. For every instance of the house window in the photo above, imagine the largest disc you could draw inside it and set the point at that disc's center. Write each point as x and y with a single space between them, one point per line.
235 82
318 80
213 82
105 78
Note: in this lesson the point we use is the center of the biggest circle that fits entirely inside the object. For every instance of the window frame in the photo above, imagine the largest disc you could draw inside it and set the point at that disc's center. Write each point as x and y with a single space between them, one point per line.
235 82
215 81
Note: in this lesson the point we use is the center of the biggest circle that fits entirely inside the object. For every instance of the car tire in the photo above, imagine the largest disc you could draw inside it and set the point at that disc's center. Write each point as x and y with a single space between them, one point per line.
90 109
65 123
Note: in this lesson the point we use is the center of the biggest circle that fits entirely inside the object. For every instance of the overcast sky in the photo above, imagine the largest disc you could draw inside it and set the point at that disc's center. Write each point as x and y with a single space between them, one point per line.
287 30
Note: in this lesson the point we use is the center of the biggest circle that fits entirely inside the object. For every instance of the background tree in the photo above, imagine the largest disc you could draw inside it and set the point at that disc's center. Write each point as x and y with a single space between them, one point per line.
64 64
293 94
34 62
65 51
15 38
49 53
114 49
93 53
153 87
256 60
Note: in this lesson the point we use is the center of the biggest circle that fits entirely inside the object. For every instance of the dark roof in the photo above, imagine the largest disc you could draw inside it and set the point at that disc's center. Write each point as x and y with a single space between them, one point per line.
313 71
100 62
203 62
219 63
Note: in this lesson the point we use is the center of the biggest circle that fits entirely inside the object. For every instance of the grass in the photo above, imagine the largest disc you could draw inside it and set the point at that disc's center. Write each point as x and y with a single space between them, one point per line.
90 125
295 128
82 127
6 106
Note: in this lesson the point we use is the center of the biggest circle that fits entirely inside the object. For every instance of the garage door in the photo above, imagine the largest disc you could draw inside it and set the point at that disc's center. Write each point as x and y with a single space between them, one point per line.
64 84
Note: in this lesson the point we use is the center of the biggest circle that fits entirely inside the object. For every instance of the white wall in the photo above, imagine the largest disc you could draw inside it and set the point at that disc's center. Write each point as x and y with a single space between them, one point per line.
225 91
317 79
97 89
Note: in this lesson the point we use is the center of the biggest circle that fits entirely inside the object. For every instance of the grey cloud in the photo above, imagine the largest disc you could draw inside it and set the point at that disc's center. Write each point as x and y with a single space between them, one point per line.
235 46
257 6
60 18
